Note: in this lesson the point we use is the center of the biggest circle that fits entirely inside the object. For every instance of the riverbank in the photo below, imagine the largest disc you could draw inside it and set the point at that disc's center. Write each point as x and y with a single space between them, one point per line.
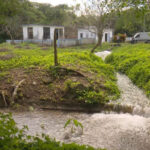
29 78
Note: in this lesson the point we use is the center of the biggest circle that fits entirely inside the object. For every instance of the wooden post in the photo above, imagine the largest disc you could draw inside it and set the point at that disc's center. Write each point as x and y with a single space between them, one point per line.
55 49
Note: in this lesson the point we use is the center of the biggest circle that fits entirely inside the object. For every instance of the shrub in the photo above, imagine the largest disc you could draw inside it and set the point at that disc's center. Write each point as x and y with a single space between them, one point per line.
134 61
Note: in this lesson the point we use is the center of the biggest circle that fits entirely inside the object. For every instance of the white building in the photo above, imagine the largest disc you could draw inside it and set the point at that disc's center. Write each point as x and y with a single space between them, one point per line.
90 33
45 34
42 32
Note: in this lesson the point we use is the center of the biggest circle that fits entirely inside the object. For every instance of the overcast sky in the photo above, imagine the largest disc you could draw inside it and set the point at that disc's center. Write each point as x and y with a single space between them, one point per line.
57 2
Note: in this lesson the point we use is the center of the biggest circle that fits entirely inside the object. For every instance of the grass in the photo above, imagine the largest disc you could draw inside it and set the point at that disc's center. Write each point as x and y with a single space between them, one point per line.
134 61
101 77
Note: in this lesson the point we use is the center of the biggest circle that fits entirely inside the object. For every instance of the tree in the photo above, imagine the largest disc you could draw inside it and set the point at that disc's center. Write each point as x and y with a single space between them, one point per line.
9 8
12 27
128 22
98 13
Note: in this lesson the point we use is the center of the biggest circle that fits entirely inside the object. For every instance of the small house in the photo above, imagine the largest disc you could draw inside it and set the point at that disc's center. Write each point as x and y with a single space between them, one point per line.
67 36
42 32
91 33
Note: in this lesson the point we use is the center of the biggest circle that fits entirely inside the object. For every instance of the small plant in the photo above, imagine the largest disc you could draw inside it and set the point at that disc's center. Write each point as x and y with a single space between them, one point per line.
69 84
74 125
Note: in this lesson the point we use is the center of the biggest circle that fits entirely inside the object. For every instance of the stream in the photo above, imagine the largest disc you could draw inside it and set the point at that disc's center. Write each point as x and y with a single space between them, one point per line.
105 130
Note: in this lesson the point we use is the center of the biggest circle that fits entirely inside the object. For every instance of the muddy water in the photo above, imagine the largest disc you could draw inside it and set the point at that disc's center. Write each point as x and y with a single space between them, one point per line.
131 95
111 131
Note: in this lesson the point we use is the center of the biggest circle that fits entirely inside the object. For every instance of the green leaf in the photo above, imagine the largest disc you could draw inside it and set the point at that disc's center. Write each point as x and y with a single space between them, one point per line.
67 123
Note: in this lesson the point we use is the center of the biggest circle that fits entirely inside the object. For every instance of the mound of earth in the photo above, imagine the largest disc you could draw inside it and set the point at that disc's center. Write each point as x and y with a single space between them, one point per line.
58 85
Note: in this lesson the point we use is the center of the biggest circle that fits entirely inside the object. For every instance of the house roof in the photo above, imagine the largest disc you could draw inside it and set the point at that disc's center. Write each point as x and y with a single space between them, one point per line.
42 25
92 28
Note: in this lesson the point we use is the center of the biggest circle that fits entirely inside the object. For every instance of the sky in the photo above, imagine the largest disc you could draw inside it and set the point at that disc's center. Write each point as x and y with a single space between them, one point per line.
57 2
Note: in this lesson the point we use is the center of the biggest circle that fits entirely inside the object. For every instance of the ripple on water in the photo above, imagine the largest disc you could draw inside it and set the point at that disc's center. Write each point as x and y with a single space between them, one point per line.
111 131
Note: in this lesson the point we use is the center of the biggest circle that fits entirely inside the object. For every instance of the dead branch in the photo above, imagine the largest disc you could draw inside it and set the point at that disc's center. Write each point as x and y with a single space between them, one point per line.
4 99
15 90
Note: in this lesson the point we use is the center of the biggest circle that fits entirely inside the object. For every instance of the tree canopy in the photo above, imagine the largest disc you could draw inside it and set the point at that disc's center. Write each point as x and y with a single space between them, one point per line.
14 13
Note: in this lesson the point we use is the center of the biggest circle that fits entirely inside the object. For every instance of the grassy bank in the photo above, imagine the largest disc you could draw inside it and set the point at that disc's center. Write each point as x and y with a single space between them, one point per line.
13 138
134 61
81 78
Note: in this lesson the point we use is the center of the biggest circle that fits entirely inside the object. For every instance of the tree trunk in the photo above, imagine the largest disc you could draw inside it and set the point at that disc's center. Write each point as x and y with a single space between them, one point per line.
99 43
9 33
55 49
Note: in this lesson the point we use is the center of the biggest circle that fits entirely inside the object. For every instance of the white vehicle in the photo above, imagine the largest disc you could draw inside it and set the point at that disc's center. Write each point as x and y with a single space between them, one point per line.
141 37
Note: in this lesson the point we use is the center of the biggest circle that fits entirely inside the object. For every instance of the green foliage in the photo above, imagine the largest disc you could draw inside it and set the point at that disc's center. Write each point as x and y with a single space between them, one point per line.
74 124
132 21
69 84
134 61
97 73
12 138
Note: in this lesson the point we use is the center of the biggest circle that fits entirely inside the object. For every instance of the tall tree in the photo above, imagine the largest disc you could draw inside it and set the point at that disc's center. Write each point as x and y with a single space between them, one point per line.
8 8
98 13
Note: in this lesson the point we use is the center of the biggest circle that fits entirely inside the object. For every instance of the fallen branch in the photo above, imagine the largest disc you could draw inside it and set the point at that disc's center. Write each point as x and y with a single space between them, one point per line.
15 91
4 99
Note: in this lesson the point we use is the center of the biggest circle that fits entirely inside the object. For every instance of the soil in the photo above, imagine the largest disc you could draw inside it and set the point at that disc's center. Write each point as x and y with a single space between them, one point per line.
4 50
7 57
41 87
45 48
18 47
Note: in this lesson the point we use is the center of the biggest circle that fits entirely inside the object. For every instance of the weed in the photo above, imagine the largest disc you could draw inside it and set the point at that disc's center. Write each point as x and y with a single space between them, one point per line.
134 61
74 125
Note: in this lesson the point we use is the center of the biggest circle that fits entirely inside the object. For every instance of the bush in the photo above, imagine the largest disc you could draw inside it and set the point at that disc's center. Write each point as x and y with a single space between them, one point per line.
12 138
134 61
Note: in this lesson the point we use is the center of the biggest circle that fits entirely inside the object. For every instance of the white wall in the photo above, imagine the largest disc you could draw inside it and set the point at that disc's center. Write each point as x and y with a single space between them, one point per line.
93 35
86 34
74 42
52 29
38 31
25 34
109 33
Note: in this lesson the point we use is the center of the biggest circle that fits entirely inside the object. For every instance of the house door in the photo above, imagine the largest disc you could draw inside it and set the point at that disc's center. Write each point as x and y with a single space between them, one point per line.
106 37
81 35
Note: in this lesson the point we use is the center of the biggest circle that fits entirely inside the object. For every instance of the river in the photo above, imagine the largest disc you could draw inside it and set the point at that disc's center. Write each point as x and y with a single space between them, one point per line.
106 130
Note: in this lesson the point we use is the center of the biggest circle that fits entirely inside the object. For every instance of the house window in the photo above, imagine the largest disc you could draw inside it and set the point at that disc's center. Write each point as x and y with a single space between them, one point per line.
30 33
81 35
46 33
